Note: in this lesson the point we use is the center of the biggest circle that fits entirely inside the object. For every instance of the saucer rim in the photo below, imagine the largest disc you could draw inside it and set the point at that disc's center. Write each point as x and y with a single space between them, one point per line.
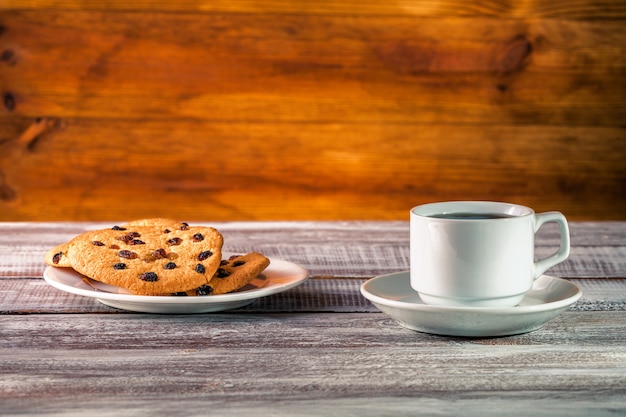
549 306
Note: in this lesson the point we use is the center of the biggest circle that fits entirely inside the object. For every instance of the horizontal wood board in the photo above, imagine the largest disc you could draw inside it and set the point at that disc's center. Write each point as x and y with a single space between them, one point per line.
357 364
318 294
327 249
339 256
581 9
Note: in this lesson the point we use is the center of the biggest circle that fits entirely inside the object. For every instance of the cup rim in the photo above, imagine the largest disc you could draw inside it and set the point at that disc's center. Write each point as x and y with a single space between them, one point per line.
474 206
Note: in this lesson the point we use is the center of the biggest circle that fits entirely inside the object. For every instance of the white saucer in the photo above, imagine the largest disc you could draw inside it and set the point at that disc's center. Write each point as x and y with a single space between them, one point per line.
279 276
393 295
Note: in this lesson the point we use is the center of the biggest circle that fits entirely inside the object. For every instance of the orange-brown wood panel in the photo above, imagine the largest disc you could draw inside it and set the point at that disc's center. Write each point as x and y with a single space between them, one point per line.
314 68
567 9
319 110
121 169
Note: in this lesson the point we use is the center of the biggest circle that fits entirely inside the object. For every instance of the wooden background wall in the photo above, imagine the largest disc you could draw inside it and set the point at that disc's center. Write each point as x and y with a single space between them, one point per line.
309 109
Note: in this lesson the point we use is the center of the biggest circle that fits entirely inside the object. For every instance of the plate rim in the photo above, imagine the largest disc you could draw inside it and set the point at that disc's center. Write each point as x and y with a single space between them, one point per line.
275 266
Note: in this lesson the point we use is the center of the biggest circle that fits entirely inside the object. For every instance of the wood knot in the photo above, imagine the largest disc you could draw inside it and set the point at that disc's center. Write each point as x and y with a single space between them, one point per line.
514 55
41 125
9 101
8 56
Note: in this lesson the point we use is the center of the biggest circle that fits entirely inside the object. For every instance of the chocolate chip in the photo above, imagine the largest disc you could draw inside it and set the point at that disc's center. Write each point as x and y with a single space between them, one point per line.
179 294
221 273
174 241
166 231
57 257
204 255
159 254
200 269
149 277
124 238
238 263
118 228
97 243
185 226
114 247
169 265
127 254
204 290
130 238
223 262
119 265
198 237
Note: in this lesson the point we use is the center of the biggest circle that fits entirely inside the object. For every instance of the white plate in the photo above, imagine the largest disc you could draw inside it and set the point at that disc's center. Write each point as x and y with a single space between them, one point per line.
279 276
393 295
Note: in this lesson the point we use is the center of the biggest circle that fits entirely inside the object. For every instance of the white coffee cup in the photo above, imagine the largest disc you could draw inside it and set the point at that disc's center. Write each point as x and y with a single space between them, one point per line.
478 253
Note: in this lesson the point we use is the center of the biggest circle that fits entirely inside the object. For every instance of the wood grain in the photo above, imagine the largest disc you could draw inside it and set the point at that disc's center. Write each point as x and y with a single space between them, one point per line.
326 249
314 68
371 173
583 9
243 110
338 255
320 294
212 362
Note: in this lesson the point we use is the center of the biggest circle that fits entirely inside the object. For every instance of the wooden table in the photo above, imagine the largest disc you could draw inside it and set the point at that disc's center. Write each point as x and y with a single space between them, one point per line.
318 349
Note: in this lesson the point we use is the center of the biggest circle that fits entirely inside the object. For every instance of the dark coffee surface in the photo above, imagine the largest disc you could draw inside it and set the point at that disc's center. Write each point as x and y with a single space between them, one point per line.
472 216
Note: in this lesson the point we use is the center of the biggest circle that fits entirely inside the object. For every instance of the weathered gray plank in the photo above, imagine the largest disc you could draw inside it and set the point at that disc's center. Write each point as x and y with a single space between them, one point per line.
24 296
300 330
355 249
358 364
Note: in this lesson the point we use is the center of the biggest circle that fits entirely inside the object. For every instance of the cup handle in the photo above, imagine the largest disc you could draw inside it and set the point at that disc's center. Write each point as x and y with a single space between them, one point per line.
563 252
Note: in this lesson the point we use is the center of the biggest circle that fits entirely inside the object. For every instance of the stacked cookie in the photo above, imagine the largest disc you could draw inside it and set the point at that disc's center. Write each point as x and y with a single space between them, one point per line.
158 257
